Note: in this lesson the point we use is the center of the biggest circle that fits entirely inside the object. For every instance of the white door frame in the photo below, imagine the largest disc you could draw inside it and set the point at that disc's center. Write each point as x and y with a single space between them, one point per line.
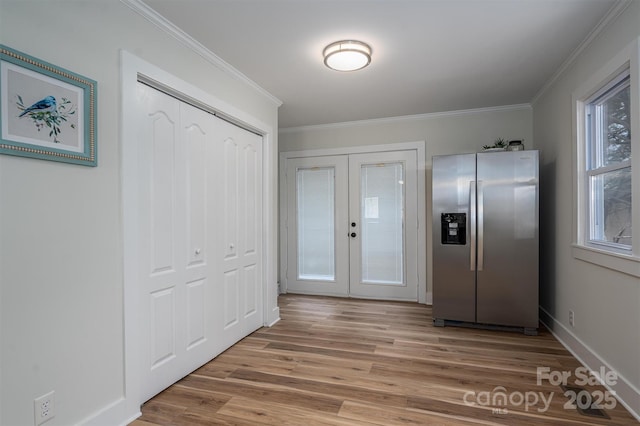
133 69
419 147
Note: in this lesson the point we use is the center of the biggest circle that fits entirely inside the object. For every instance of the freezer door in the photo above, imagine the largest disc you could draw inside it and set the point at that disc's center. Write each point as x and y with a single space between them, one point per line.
507 277
454 294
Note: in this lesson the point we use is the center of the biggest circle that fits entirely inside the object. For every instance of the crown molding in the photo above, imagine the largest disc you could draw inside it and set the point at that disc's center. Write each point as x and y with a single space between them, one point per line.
169 28
615 11
398 119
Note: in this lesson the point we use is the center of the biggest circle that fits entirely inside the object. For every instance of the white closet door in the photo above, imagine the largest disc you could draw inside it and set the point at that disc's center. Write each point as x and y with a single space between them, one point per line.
162 268
200 236
197 181
239 218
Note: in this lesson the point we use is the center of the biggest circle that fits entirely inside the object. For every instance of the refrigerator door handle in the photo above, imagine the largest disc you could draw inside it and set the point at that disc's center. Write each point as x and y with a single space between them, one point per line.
472 224
480 226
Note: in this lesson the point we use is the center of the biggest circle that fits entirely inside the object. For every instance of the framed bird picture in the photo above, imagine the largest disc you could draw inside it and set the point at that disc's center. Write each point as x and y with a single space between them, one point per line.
46 112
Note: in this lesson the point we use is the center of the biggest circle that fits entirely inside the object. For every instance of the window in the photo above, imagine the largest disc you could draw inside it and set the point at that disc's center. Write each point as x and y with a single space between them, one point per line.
608 166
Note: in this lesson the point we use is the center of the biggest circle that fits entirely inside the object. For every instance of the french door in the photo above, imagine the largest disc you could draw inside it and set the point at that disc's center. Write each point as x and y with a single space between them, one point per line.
318 253
352 225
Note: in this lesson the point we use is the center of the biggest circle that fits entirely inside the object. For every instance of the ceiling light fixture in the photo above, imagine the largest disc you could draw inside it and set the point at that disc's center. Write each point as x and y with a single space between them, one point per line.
347 55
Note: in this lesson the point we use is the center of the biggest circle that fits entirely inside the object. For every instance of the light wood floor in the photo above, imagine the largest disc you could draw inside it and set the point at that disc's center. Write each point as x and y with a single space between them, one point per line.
351 362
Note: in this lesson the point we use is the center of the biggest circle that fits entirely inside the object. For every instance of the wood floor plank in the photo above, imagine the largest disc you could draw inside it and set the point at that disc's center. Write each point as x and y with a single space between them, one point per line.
261 413
262 392
139 422
332 361
385 416
339 390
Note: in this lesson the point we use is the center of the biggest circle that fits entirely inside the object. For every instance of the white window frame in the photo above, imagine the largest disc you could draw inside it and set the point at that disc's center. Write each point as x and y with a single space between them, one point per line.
610 255
594 166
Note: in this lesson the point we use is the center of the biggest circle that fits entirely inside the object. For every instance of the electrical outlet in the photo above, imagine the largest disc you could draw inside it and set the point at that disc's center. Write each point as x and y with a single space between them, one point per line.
571 319
44 408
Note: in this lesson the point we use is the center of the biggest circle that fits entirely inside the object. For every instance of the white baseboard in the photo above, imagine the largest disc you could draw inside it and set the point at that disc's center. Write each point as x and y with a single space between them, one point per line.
120 412
275 316
429 300
624 391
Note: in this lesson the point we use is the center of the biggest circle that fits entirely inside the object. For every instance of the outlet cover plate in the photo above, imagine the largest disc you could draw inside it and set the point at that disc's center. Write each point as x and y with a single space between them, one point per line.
44 408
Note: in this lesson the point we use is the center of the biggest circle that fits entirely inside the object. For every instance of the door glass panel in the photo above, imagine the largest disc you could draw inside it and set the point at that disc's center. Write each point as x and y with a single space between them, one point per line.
382 216
610 213
316 223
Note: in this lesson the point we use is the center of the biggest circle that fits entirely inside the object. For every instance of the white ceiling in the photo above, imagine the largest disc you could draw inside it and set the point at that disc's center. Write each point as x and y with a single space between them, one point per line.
428 55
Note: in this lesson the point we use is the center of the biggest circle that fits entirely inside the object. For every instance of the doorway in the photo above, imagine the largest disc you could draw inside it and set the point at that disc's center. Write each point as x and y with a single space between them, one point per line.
352 224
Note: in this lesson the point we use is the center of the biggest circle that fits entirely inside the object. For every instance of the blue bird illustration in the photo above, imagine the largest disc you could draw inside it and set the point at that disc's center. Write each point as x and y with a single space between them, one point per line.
46 104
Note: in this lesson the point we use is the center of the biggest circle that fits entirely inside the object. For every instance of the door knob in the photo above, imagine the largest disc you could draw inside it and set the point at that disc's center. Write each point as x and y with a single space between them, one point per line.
353 224
353 235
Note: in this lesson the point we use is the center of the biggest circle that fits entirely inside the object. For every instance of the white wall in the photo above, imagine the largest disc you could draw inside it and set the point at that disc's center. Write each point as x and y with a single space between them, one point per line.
61 266
606 303
445 133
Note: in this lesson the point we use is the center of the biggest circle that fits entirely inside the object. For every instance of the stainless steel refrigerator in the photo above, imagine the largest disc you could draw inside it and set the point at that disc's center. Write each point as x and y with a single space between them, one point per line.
485 239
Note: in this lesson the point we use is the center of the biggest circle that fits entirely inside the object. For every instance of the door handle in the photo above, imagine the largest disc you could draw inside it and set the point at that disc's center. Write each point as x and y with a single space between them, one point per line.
353 235
472 219
480 226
